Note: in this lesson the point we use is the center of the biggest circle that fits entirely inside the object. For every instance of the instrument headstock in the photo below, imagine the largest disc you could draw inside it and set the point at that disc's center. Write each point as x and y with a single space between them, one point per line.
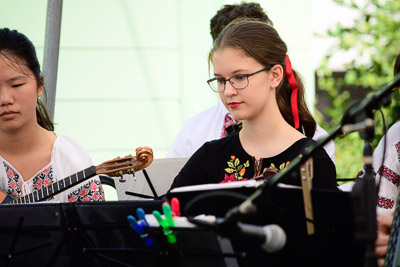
126 165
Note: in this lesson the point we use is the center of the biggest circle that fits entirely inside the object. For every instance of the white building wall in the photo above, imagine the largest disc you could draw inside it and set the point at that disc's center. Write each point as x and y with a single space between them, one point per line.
131 71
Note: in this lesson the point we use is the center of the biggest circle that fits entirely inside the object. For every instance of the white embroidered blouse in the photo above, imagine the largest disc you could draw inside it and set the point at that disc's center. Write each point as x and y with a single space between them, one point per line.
67 158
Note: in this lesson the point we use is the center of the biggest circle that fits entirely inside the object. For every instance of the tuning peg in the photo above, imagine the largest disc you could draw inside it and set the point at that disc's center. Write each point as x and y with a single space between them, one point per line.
121 177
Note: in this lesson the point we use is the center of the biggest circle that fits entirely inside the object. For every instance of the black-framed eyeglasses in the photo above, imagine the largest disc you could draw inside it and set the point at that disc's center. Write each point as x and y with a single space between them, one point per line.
238 82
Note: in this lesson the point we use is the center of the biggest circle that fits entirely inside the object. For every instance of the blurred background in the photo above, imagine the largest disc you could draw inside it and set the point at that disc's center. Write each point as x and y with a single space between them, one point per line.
130 72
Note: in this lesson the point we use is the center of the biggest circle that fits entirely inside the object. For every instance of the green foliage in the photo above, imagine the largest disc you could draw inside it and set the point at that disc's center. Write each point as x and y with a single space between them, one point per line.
348 164
374 36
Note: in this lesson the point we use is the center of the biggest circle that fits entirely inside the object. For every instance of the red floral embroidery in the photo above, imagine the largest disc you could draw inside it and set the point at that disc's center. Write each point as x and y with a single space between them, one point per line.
13 188
228 179
47 181
43 179
231 178
389 175
90 191
10 174
38 184
227 122
385 203
83 192
93 186
13 184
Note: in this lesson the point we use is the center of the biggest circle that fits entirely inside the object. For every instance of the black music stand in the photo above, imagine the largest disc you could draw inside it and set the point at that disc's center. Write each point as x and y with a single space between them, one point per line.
154 181
29 232
333 244
98 234
153 191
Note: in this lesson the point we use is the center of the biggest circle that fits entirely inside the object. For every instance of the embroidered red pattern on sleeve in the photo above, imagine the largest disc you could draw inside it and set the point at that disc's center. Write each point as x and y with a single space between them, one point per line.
90 191
13 188
391 176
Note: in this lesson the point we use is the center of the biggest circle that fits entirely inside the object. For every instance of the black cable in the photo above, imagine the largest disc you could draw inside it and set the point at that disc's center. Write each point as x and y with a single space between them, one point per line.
212 194
199 222
384 152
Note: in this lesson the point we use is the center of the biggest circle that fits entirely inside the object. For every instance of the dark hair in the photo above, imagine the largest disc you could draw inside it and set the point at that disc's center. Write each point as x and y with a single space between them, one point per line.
263 43
228 13
16 47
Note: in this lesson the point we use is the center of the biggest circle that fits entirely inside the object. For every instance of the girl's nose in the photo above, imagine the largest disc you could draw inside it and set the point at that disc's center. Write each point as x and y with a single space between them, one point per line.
229 89
5 97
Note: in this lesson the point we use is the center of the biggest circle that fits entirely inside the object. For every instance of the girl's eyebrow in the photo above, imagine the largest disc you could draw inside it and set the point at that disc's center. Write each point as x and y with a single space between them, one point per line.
16 78
236 71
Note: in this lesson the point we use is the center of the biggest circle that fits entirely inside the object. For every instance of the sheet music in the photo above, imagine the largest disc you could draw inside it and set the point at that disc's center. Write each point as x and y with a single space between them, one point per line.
201 187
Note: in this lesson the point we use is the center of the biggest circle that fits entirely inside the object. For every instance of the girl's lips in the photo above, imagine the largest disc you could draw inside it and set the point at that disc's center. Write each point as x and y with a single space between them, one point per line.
8 114
234 104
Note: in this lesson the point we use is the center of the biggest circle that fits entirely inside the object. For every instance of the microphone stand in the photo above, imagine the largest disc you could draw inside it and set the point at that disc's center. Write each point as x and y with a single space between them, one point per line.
364 196
364 191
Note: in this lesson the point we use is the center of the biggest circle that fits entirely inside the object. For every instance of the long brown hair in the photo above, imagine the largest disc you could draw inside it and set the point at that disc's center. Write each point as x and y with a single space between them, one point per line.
263 43
16 47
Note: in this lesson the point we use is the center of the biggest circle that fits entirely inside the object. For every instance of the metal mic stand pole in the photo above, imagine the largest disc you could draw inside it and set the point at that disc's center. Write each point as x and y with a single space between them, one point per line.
364 199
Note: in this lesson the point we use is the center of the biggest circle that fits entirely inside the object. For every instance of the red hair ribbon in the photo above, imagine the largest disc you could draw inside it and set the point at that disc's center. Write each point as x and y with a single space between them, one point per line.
293 98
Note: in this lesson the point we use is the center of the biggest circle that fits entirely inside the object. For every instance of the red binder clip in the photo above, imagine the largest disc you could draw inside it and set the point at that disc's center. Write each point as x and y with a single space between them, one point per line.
175 207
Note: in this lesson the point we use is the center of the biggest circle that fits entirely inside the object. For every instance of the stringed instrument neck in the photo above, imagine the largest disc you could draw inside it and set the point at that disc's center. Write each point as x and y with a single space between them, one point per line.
54 188
116 167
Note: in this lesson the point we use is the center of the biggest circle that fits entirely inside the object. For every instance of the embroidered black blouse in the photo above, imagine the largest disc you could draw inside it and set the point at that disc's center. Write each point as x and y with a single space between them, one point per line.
225 160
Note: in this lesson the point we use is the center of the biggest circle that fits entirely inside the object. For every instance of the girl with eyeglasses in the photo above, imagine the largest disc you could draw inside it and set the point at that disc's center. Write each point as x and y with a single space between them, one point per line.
32 156
255 81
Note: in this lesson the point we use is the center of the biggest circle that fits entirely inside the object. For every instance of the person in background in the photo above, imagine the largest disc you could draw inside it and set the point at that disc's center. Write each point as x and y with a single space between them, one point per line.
210 123
388 174
255 80
32 156
388 171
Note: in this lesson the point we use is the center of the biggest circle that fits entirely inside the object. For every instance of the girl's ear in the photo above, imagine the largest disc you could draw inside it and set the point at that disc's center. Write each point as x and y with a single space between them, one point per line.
277 75
40 86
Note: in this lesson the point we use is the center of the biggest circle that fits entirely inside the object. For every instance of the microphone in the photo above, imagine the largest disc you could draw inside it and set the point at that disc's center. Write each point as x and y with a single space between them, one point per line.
273 235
